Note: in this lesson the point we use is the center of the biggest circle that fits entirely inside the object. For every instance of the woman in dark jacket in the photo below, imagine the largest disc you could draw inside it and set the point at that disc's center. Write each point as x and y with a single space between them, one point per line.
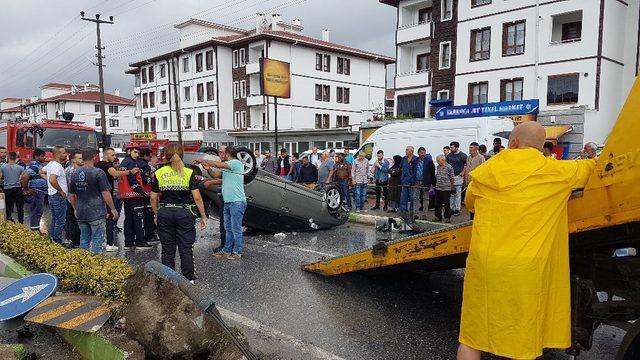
394 184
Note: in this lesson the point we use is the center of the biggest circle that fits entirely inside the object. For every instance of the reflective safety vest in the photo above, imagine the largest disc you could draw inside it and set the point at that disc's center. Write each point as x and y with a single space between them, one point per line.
169 180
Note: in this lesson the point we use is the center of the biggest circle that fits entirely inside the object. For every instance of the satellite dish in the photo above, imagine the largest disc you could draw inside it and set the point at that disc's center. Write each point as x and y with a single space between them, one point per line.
67 116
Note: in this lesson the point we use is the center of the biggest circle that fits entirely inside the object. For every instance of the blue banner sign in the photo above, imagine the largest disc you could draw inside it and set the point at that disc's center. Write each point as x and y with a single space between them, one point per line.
506 108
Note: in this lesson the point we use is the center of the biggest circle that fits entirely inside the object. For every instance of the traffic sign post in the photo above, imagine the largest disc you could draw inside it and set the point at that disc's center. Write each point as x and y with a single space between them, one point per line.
24 294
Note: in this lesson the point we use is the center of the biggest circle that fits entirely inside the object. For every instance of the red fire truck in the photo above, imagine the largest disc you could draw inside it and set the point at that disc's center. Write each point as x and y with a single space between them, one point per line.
24 137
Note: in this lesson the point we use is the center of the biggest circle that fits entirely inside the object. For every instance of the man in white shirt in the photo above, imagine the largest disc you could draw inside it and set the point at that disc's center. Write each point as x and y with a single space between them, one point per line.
259 157
57 190
314 157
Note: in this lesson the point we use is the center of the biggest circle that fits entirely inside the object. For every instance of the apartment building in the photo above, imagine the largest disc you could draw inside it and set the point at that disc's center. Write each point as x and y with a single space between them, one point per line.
579 58
425 54
81 100
216 75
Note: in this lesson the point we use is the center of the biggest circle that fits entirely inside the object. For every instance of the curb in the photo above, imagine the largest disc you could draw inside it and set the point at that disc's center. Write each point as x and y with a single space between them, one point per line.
94 346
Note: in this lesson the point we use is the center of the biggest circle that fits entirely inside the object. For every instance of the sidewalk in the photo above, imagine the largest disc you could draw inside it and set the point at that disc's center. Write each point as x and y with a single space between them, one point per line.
422 215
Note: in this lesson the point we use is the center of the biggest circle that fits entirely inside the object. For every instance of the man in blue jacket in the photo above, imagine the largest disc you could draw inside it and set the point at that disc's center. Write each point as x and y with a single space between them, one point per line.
425 178
381 177
35 187
407 181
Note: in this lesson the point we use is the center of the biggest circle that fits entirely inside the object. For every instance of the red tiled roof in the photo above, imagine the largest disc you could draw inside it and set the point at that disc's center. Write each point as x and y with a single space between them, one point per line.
10 99
233 40
11 109
89 96
62 86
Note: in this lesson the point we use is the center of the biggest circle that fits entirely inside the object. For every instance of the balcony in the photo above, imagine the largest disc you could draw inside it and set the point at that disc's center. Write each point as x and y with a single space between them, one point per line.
413 79
413 32
255 100
253 67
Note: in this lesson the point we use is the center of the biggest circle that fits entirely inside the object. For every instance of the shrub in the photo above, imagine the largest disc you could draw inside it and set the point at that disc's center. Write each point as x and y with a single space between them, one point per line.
77 270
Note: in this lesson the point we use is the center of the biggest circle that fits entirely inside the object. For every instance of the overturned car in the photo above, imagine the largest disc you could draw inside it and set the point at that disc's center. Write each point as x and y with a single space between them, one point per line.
273 203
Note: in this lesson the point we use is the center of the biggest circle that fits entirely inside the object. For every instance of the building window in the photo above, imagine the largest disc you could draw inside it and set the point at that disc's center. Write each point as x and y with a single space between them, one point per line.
187 122
445 55
98 123
236 90
200 92
243 120
511 90
447 10
342 121
145 103
563 89
412 105
322 121
513 38
572 31
152 99
443 95
185 65
236 120
235 59
163 70
209 59
567 27
242 56
211 120
326 93
475 3
210 91
153 124
114 123
151 73
201 121
187 93
96 108
344 66
480 44
342 95
422 62
145 124
113 109
165 123
163 96
144 75
424 15
199 62
318 62
243 88
478 93
326 64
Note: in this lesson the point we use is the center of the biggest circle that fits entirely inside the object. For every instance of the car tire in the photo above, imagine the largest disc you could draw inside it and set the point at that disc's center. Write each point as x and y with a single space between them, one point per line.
245 155
208 151
332 198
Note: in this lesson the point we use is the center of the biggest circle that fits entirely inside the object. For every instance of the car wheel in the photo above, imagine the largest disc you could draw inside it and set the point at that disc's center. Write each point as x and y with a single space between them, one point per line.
208 151
333 198
245 155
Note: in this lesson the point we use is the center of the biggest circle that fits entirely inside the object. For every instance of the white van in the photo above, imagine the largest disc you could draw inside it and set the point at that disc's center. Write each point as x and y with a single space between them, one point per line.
436 134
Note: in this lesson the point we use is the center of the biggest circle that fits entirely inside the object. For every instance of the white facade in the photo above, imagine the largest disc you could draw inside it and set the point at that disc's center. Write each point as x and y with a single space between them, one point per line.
603 58
81 100
235 105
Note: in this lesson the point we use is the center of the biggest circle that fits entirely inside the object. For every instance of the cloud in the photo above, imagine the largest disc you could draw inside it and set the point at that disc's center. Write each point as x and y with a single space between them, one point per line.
55 45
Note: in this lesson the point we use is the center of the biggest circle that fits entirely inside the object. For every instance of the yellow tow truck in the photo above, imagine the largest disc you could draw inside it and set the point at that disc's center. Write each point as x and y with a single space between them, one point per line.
603 217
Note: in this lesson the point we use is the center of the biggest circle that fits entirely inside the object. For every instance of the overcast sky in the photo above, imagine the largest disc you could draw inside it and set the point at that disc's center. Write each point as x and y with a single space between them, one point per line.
45 41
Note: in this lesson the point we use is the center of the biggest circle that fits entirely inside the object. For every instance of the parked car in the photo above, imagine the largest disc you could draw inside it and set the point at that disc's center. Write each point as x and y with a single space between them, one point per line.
275 204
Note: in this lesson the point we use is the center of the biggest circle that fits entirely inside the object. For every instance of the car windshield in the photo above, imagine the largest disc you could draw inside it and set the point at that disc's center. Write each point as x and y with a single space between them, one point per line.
74 139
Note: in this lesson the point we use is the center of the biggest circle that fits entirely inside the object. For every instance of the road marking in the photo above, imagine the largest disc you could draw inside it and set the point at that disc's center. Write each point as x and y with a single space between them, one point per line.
84 318
54 313
297 248
305 347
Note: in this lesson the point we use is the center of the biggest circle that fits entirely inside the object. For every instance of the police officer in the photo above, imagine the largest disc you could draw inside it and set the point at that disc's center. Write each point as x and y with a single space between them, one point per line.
174 211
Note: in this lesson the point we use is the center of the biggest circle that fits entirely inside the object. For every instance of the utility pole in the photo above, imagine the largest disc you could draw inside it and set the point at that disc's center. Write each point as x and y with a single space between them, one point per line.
103 121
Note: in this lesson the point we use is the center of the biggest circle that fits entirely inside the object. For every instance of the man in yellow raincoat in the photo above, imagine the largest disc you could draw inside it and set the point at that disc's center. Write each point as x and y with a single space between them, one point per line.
516 298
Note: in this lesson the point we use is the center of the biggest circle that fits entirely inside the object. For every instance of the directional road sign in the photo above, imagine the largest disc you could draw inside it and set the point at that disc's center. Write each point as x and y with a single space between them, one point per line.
24 294
72 312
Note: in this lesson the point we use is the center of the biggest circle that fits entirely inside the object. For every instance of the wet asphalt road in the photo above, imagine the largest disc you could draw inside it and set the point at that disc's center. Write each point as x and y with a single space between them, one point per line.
290 314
